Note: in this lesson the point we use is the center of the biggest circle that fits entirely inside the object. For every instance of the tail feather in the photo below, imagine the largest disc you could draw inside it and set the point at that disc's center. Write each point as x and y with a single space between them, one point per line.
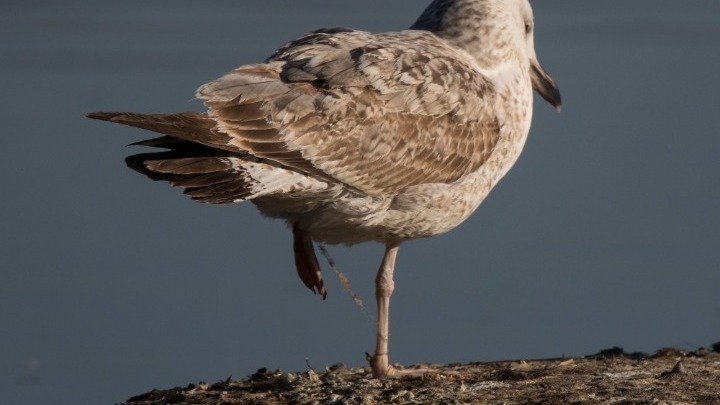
194 159
164 142
210 179
202 180
197 159
190 165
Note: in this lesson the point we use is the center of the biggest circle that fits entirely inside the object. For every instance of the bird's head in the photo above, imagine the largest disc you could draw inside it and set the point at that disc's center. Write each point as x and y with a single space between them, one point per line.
541 80
495 33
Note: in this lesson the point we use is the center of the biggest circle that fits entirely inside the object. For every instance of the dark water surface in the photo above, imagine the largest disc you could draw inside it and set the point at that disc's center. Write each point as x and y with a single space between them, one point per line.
607 231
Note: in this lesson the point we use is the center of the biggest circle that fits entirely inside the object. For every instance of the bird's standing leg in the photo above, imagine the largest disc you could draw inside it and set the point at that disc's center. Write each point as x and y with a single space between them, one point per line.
384 286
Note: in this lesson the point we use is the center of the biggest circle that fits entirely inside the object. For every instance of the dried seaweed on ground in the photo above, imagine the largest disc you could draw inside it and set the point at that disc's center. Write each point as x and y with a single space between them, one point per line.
610 376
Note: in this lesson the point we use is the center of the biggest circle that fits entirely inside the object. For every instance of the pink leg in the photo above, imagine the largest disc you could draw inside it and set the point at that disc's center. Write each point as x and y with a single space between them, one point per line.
306 262
384 286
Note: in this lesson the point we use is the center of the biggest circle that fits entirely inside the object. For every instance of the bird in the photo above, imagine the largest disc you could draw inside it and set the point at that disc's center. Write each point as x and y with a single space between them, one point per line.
351 136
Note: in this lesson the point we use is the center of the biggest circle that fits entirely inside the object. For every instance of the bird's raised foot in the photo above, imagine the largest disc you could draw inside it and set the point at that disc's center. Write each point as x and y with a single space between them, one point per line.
381 368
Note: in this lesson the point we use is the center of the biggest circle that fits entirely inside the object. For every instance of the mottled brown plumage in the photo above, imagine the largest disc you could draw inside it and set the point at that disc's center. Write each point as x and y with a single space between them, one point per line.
352 136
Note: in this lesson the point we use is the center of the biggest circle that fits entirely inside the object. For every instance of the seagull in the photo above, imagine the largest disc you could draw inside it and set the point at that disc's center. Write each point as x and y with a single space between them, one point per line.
351 136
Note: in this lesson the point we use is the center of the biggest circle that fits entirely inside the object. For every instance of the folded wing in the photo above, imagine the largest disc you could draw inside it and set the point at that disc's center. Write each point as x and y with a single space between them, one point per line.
375 112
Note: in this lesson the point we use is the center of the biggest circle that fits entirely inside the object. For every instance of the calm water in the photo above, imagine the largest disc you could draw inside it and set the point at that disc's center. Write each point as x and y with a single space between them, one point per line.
606 233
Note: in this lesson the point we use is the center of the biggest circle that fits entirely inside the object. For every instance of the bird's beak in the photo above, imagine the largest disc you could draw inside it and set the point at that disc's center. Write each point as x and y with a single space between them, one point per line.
545 85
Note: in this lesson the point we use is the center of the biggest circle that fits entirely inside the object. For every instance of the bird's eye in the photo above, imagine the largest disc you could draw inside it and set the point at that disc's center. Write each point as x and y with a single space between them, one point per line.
528 28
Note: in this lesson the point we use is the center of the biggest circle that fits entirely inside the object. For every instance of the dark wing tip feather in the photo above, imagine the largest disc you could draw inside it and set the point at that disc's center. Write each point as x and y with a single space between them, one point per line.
166 142
102 115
